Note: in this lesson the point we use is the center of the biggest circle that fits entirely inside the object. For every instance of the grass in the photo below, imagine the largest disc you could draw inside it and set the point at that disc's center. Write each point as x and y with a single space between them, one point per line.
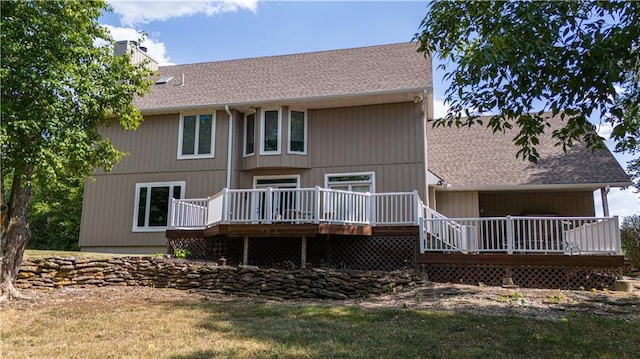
39 254
149 328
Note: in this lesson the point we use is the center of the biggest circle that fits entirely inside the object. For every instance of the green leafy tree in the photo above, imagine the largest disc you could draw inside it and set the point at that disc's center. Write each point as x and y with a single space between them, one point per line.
57 90
519 59
630 237
54 215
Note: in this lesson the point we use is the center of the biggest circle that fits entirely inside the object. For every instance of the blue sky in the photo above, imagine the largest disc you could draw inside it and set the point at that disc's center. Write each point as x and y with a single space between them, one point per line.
202 31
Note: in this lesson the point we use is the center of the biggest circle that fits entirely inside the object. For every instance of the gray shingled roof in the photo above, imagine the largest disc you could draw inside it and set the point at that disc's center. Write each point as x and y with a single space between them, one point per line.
477 158
358 71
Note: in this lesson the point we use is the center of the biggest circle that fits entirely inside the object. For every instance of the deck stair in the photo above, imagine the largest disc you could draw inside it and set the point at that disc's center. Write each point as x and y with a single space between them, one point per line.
444 234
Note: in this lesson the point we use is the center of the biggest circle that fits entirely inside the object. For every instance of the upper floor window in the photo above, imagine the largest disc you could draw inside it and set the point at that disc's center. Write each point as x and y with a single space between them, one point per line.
197 134
270 132
249 134
297 132
152 202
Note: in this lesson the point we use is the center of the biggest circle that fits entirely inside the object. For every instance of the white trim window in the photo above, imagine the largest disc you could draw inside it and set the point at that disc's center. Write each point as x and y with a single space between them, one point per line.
297 132
356 182
197 136
270 132
249 134
152 203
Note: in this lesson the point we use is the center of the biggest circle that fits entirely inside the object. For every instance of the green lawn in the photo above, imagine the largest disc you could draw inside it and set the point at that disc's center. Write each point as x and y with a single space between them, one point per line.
151 328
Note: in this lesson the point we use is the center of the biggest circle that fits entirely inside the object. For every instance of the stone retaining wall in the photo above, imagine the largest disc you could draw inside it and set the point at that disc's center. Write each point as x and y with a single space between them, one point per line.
59 272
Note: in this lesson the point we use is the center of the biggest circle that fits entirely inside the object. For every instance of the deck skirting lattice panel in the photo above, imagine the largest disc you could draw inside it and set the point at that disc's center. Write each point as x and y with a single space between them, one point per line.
281 253
523 276
211 248
385 253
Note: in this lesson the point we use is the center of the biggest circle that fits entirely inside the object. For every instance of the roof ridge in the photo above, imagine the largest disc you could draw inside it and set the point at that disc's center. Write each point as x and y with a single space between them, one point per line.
346 49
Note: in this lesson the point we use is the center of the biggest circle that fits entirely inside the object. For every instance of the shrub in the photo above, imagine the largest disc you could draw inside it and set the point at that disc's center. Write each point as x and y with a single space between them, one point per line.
182 253
630 236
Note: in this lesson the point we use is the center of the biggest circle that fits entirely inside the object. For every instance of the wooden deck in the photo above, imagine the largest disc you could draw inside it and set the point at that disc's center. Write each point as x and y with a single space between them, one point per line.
389 248
503 259
292 230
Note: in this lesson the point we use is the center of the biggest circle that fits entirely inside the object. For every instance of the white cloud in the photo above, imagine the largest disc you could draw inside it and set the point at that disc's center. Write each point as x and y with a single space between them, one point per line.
155 49
145 11
604 129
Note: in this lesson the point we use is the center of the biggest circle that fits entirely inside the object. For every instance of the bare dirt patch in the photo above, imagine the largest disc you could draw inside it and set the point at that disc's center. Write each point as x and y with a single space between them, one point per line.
523 302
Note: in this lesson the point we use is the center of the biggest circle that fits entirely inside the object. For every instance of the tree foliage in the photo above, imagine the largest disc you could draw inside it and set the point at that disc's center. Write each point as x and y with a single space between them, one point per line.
519 59
54 215
630 237
57 90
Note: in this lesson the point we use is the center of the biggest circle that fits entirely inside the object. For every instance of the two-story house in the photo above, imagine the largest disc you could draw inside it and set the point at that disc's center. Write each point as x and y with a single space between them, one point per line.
355 123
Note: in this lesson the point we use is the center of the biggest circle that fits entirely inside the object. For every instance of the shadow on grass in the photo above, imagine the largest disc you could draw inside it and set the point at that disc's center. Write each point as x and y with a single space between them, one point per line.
317 331
200 354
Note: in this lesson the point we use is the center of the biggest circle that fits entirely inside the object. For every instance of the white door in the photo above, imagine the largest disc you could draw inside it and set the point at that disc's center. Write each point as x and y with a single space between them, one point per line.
281 202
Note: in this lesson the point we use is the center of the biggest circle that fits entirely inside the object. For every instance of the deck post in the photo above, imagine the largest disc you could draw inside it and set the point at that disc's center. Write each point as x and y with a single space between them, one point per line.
421 236
509 235
616 237
225 205
172 215
303 254
416 206
316 210
267 203
245 251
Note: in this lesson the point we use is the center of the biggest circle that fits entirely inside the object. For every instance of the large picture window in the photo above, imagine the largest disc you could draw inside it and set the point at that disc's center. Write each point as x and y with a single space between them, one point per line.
152 201
270 132
197 134
249 134
297 132
356 182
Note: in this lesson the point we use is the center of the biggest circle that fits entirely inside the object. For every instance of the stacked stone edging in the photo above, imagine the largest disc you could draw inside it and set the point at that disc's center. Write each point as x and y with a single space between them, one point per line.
57 272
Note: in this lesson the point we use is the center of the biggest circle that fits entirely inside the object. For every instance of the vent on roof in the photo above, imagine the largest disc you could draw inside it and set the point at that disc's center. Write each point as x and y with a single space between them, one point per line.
163 80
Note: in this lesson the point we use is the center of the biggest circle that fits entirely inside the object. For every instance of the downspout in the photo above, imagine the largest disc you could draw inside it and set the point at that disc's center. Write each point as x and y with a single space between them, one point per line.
229 147
604 191
425 110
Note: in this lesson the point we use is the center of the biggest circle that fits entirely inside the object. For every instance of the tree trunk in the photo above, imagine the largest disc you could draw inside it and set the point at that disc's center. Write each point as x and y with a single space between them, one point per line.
14 239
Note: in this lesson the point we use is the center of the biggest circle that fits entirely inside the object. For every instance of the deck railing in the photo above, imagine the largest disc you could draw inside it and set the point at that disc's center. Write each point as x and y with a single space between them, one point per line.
296 205
567 235
189 213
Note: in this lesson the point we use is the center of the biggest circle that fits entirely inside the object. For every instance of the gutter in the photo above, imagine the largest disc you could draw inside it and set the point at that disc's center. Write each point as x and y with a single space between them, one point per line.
586 186
229 146
425 120
159 110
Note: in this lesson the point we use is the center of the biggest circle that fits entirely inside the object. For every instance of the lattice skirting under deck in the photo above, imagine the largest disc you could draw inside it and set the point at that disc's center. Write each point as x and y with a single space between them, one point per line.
208 248
384 253
524 276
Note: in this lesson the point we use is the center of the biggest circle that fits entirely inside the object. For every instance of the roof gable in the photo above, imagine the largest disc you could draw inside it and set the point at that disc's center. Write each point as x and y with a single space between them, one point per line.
359 71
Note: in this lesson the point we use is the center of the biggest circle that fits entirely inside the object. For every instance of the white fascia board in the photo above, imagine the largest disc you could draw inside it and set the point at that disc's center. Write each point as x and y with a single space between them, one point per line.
158 110
529 187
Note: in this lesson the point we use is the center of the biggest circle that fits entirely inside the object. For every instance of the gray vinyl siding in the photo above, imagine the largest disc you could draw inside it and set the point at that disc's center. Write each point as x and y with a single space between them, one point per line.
151 156
153 147
366 135
107 216
384 139
462 204
579 204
